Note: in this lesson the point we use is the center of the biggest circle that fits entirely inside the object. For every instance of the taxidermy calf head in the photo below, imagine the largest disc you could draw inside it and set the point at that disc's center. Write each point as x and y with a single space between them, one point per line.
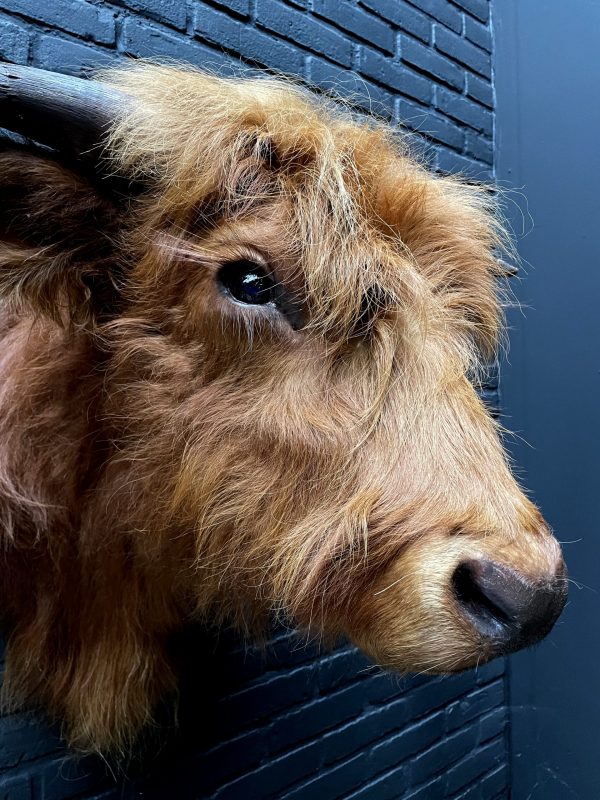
241 329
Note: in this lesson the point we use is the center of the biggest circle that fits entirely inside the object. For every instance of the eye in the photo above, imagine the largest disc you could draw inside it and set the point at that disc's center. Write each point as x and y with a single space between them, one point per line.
247 282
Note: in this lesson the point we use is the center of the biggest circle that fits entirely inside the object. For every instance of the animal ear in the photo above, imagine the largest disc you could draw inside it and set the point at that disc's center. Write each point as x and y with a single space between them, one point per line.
60 213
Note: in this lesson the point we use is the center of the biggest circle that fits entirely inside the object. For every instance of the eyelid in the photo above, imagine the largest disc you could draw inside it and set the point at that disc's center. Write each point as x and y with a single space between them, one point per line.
251 254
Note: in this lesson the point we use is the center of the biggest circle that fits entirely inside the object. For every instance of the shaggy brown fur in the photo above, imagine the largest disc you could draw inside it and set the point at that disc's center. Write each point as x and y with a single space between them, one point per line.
167 453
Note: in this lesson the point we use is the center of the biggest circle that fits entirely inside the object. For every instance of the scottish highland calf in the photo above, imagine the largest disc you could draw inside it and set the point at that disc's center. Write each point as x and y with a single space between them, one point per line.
237 343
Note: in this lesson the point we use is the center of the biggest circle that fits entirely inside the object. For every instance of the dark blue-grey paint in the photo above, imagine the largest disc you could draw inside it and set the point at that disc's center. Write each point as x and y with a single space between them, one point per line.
547 66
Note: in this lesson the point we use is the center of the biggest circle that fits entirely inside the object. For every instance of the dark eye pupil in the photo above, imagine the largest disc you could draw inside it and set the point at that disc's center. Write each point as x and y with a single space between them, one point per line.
247 282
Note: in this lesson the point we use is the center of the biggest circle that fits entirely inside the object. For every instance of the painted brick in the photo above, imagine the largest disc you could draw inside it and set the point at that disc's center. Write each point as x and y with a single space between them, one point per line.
65 778
380 688
276 775
403 16
479 34
430 124
462 51
358 90
373 724
495 783
218 27
440 755
413 739
247 663
398 76
470 793
443 11
490 400
69 56
439 692
214 26
476 765
241 7
480 90
458 107
241 754
432 790
171 12
452 162
356 20
497 667
304 30
341 667
288 650
73 16
478 8
384 787
15 788
493 724
14 41
24 738
479 148
317 716
263 699
474 704
138 38
430 62
333 783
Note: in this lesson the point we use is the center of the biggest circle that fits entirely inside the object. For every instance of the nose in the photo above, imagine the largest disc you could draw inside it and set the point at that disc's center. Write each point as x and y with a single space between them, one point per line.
506 608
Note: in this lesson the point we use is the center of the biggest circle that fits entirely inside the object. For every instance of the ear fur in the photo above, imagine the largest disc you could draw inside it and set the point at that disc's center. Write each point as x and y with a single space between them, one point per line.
59 234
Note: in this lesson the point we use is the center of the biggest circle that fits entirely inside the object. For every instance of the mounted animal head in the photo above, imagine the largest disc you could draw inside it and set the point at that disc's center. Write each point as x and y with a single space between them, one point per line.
243 331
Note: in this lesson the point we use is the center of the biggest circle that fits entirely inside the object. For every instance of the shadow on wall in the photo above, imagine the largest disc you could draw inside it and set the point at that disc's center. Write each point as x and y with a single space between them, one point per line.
237 705
284 721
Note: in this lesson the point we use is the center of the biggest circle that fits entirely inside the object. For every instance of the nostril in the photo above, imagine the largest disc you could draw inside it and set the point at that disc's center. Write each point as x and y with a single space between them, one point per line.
505 606
470 593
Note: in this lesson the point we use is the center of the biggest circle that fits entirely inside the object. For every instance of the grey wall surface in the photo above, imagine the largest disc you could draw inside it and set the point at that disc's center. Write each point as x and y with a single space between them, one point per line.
548 123
291 723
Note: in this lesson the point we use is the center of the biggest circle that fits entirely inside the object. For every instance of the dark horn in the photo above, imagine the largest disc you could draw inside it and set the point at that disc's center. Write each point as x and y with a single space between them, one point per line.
67 114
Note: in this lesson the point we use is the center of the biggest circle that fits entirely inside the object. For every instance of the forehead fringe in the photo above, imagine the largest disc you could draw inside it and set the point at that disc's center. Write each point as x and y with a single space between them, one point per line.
368 221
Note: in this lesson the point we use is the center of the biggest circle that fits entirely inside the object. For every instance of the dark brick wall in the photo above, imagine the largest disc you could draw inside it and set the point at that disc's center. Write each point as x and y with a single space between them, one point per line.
291 722
426 63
